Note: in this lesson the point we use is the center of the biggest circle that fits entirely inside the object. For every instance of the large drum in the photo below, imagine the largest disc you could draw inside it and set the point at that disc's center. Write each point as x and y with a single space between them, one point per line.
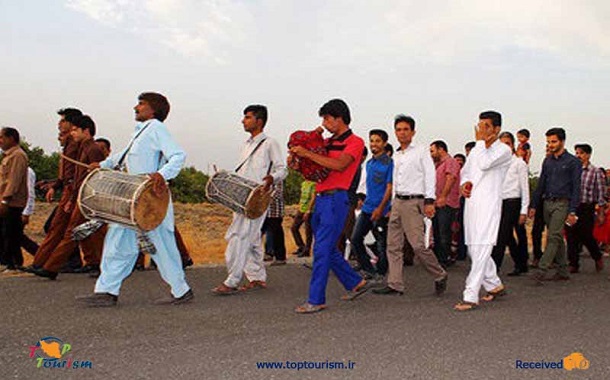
117 197
238 194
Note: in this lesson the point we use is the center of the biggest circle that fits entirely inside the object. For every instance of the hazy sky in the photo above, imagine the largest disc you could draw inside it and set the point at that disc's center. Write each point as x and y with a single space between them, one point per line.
539 62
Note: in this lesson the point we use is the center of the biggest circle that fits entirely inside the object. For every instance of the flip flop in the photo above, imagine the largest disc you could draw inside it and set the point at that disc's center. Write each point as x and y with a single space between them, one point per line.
500 291
465 306
359 290
308 308
223 290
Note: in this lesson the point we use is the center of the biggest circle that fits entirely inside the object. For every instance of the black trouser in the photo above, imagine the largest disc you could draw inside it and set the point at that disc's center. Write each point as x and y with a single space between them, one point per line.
274 236
11 231
462 250
363 226
29 245
441 225
537 230
581 234
509 220
518 249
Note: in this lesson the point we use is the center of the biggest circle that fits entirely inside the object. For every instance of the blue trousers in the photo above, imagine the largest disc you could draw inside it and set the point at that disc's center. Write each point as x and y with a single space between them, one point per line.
121 252
327 223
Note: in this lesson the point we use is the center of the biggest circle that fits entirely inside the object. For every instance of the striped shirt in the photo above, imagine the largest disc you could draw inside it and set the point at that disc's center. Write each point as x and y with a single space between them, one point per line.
592 186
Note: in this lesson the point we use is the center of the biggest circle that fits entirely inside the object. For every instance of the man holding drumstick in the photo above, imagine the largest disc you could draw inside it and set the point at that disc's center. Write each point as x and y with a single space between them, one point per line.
152 151
261 161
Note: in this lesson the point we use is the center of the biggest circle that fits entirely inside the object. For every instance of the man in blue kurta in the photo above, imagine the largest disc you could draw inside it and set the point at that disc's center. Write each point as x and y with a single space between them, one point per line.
152 151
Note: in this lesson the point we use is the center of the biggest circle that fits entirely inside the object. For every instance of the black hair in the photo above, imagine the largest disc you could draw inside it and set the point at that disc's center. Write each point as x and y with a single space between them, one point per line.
509 135
470 145
440 144
557 131
105 141
404 119
336 108
12 133
259 111
158 103
365 152
379 132
460 155
70 114
85 122
495 117
389 149
524 132
588 149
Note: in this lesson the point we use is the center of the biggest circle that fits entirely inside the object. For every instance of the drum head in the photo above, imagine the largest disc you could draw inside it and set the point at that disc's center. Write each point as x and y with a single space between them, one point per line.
150 209
258 202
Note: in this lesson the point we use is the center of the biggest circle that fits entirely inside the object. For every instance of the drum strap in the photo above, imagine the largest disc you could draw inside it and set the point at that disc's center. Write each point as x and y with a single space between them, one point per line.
250 155
119 165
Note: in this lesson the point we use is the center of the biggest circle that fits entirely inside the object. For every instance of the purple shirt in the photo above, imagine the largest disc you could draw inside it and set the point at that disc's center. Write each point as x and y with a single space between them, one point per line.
448 166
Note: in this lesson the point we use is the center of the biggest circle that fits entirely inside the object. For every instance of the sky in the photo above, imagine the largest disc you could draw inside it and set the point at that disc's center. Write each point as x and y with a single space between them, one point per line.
541 63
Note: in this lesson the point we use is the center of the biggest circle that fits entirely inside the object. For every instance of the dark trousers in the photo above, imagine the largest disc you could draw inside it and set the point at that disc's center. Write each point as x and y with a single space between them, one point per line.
274 238
581 234
363 226
537 230
29 245
462 250
296 234
441 227
350 221
518 249
509 221
11 230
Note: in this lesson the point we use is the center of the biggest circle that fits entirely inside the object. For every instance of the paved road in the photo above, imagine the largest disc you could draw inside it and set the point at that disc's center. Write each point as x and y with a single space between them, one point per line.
416 336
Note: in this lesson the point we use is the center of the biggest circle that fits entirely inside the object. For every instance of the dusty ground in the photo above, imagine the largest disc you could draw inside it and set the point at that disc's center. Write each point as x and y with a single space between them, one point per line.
202 226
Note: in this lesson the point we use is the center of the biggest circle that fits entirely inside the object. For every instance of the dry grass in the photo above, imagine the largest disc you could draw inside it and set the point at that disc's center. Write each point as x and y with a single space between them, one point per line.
202 226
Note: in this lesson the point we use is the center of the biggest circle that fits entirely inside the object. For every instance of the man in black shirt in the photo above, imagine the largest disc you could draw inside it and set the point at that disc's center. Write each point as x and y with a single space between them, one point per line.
559 192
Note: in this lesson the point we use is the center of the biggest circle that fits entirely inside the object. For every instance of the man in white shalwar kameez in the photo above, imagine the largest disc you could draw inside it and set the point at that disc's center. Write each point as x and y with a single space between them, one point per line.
481 179
152 151
261 161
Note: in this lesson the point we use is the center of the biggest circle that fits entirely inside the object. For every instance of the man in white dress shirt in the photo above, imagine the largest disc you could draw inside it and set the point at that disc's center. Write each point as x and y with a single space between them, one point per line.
515 202
261 161
414 193
481 185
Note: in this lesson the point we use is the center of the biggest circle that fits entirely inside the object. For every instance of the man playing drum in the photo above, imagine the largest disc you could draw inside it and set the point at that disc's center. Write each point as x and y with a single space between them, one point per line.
261 161
153 151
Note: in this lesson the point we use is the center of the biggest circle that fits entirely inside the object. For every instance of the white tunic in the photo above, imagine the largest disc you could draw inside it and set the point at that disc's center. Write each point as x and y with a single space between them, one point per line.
486 169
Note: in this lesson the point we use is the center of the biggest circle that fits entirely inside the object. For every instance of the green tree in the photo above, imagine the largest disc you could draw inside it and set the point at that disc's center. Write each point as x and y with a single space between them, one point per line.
45 166
292 187
189 186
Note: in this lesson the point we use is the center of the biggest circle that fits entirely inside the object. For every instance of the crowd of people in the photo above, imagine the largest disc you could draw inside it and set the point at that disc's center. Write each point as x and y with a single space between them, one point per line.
420 201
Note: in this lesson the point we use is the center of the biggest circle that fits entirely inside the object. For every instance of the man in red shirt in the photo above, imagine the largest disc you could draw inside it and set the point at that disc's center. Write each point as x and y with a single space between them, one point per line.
332 205
447 201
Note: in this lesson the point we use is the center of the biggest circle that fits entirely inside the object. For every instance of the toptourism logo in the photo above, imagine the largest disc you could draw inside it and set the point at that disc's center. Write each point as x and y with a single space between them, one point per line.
575 360
51 352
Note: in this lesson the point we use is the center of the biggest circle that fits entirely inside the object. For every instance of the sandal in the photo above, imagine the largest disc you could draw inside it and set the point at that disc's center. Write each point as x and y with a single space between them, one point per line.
308 308
223 290
465 306
253 285
360 289
493 294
